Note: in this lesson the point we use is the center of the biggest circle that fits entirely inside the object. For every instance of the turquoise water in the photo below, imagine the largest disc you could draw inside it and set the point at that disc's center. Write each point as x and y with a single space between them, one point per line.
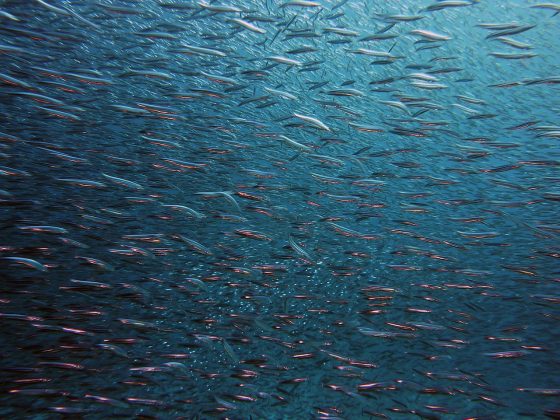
268 210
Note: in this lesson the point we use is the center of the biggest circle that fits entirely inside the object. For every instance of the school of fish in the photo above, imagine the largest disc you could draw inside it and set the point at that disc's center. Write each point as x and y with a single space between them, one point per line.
279 209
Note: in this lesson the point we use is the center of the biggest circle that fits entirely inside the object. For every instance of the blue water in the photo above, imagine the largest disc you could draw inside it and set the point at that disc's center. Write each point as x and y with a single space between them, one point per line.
251 211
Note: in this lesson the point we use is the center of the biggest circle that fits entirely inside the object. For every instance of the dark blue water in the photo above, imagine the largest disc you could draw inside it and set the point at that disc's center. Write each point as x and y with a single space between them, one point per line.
267 210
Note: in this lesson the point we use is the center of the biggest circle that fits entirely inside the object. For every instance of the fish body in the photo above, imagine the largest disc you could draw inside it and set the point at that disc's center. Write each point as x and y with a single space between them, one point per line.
312 121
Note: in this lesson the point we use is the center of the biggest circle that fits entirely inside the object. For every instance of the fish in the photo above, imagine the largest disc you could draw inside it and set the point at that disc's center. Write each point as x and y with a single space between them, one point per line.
547 6
248 25
295 144
512 56
298 249
185 209
26 262
429 35
285 60
124 182
282 94
196 246
196 50
292 209
514 30
445 4
219 8
301 3
312 121
514 43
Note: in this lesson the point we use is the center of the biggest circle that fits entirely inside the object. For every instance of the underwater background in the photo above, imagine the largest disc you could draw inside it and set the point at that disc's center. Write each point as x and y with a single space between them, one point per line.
279 209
